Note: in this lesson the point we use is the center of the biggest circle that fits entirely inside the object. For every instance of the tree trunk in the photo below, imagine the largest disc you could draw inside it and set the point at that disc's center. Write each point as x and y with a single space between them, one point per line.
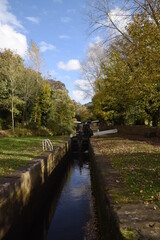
12 104
155 120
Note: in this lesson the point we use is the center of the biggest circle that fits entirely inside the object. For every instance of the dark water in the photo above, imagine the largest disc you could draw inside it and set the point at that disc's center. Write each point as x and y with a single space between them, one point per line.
73 218
66 213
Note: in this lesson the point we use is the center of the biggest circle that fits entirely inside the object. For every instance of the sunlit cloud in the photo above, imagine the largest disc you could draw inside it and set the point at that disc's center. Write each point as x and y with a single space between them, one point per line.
121 18
82 84
10 31
83 90
71 65
78 95
47 47
6 17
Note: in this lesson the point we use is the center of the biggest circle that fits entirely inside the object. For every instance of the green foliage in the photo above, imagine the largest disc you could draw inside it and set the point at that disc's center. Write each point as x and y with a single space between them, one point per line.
29 101
81 112
56 85
11 69
128 90
61 117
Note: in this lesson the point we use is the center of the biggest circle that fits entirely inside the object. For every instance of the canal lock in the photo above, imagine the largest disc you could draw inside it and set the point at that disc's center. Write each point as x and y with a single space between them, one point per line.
67 206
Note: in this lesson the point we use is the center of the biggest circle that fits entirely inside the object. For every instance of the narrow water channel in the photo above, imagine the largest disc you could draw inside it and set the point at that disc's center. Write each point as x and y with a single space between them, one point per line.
68 210
73 218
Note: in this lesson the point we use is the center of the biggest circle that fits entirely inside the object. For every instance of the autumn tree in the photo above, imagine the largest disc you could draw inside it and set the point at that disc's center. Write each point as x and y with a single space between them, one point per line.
112 20
144 56
91 66
33 58
56 85
81 112
11 69
29 91
129 85
62 112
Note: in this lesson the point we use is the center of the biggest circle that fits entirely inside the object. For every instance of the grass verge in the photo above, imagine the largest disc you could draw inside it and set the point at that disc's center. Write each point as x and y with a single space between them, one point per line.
139 164
16 152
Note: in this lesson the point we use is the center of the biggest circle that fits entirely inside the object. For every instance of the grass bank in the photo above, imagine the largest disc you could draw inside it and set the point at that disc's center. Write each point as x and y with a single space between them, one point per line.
139 165
16 152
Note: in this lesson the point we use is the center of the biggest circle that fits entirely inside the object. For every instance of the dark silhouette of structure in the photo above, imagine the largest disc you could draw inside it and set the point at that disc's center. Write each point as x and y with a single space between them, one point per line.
80 142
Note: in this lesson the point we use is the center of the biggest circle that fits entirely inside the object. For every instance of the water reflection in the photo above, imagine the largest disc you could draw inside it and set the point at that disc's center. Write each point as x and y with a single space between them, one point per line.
66 212
73 210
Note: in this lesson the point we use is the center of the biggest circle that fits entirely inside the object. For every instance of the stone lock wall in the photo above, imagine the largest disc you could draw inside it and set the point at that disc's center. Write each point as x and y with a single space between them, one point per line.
17 190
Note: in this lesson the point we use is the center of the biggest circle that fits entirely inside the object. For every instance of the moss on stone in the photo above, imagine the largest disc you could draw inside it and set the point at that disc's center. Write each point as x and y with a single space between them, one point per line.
128 234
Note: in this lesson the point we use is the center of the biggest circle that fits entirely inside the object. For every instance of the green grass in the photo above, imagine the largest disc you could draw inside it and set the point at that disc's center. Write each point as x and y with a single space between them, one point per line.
139 164
16 152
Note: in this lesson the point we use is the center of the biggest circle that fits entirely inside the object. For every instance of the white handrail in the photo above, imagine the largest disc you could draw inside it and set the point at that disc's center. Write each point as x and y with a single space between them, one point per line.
47 145
99 133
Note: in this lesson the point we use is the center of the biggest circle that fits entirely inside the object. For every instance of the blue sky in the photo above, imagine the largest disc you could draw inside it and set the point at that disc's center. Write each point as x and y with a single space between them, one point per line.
59 29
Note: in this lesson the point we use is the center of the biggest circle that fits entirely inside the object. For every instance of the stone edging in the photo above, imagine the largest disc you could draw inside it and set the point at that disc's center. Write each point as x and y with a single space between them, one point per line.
17 189
125 221
108 220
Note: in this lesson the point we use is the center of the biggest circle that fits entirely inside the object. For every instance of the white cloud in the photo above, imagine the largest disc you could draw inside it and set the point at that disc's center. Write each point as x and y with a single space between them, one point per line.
33 19
84 85
10 36
46 47
64 37
6 17
96 50
65 19
83 90
13 40
97 39
78 95
96 42
120 17
72 64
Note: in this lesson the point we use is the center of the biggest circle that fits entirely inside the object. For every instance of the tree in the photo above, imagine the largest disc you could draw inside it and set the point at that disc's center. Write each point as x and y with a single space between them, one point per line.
29 91
11 69
113 21
91 66
146 35
55 85
34 60
61 116
81 112
45 102
130 81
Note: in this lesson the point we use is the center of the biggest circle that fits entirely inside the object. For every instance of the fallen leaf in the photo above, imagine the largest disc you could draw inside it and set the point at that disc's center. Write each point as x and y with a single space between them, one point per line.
151 224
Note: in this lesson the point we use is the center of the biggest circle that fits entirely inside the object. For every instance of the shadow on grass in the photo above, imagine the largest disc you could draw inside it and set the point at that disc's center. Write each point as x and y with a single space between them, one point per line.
141 174
19 155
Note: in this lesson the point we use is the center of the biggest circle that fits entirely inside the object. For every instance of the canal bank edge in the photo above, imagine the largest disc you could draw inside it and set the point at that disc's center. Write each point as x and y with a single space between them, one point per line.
16 190
126 221
107 218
